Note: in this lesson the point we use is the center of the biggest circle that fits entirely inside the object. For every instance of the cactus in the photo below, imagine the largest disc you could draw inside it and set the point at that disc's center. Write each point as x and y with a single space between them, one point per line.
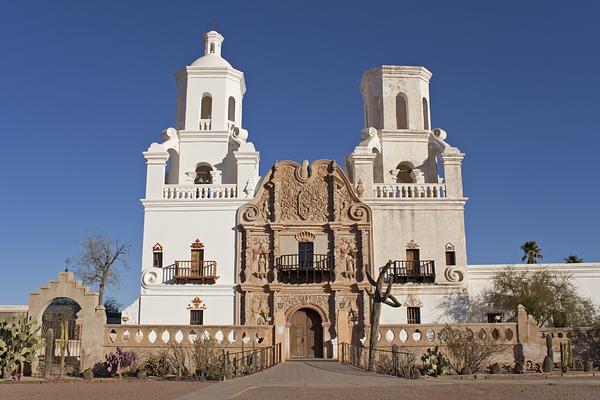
566 360
395 359
19 343
63 344
519 359
548 365
378 297
48 352
435 363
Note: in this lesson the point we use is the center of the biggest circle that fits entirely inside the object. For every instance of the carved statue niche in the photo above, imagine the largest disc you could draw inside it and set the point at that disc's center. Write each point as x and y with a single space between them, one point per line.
347 255
260 257
341 202
258 311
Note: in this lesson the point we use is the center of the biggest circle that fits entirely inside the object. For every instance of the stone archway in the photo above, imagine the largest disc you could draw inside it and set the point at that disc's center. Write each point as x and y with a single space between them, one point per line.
316 321
91 317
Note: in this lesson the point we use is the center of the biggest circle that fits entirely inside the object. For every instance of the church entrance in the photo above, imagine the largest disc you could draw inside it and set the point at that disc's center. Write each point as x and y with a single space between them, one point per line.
306 334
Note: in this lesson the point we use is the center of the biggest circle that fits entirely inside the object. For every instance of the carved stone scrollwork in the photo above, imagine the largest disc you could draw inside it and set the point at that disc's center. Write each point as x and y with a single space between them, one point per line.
151 277
412 245
454 274
305 236
250 213
258 311
359 213
413 301
288 301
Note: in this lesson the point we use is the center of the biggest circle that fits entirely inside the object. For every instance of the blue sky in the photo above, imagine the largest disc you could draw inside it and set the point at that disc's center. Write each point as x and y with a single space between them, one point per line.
86 86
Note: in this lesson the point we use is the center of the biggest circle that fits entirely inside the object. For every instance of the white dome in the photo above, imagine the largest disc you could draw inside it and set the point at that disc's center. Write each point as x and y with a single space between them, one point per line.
211 61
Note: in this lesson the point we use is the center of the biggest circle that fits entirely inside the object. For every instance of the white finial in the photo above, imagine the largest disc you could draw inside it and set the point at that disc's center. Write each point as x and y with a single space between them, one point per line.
212 43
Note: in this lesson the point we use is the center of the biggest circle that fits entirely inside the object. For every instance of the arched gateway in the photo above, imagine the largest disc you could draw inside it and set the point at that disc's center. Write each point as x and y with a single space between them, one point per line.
83 308
304 246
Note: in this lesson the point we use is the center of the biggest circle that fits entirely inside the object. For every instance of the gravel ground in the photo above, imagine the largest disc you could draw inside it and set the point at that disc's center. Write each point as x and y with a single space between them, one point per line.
498 390
128 390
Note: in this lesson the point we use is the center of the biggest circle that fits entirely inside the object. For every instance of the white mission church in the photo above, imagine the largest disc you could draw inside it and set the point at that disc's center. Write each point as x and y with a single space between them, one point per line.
223 245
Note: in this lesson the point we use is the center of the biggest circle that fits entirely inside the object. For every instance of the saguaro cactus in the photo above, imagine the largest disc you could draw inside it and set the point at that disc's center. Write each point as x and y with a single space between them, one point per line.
565 356
48 352
63 344
549 359
378 297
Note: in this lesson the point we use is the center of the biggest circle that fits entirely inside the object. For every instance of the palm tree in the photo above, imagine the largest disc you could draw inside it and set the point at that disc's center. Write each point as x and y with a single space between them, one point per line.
573 259
532 252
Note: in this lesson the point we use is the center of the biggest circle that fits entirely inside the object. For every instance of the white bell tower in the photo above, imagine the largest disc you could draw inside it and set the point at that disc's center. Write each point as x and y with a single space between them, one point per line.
398 145
208 144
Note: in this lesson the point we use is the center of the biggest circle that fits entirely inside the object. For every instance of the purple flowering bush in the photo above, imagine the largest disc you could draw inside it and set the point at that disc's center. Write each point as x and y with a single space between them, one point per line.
116 362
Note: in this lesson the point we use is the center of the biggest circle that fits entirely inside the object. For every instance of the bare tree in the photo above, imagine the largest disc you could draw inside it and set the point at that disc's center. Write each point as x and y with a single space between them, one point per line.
467 351
99 262
378 297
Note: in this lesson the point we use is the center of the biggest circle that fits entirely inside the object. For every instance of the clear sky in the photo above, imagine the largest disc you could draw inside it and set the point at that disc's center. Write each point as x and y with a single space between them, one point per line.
85 87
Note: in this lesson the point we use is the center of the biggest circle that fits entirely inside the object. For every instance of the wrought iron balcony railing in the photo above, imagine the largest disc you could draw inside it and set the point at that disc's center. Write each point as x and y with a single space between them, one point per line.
402 271
294 268
195 271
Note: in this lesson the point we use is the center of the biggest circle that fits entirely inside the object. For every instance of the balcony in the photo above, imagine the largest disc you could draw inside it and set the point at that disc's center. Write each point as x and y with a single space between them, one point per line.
295 269
409 191
200 192
402 271
195 272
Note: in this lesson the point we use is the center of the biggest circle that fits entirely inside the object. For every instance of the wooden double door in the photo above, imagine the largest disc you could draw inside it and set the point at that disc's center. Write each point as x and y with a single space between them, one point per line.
306 334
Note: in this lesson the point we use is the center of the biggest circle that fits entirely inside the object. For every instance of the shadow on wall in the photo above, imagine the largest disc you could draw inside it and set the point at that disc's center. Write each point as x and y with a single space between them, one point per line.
462 308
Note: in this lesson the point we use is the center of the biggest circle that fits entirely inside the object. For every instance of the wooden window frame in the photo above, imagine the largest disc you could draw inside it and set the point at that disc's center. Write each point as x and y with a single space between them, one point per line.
196 317
413 315
450 257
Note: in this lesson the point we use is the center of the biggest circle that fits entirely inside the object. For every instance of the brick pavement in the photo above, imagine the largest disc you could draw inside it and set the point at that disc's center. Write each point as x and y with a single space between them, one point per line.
295 374
331 380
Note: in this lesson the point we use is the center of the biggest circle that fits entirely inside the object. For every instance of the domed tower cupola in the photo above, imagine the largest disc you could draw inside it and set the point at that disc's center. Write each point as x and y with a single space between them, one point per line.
208 144
210 91
212 43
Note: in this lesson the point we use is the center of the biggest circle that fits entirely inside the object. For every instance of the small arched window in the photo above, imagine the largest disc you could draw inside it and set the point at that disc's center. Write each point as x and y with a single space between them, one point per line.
231 109
206 107
203 174
401 112
404 172
425 114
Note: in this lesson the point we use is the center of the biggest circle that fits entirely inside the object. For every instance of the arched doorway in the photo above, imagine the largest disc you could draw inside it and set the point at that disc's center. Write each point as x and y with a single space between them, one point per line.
306 334
62 311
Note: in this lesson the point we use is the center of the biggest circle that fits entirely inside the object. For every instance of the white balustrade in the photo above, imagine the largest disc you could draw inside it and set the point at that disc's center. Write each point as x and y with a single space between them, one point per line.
204 125
200 192
409 191
156 336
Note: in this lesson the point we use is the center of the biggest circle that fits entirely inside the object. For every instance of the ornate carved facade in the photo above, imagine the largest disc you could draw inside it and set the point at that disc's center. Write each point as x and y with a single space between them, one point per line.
305 240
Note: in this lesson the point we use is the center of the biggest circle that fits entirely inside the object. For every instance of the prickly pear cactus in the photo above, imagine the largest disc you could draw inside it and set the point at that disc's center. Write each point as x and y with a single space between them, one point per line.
435 363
